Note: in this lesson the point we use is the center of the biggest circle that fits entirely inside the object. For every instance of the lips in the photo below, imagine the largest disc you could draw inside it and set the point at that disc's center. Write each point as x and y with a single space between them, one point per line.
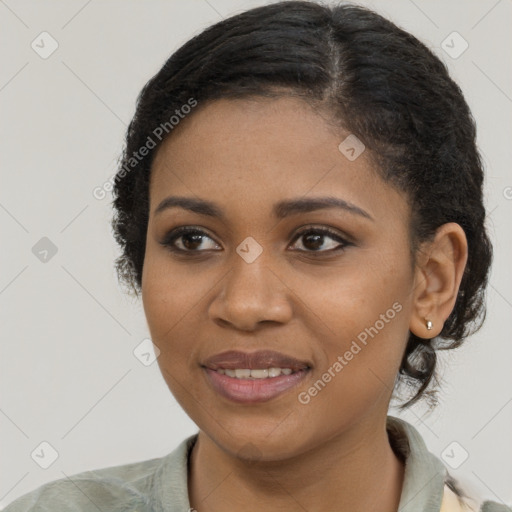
233 359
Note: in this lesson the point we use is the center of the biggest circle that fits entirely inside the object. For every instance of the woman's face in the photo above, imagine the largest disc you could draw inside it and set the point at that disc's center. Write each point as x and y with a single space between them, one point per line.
260 274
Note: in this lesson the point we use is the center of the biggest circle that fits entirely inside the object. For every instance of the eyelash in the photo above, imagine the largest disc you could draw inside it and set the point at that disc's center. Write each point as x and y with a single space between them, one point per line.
177 233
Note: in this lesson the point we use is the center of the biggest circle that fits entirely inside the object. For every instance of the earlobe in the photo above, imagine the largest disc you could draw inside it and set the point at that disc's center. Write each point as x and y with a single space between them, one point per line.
439 270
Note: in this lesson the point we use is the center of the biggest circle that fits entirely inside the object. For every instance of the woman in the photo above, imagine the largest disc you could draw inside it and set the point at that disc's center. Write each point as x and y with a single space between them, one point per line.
299 204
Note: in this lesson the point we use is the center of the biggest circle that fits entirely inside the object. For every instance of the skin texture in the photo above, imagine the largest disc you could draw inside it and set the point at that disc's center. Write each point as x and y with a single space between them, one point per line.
332 453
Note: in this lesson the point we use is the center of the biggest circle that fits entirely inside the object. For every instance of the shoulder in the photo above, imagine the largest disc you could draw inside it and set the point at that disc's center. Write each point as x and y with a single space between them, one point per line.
456 502
142 486
117 488
491 506
427 480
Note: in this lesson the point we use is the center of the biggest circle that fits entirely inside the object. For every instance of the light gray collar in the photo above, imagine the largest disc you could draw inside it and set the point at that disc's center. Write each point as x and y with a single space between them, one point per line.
423 481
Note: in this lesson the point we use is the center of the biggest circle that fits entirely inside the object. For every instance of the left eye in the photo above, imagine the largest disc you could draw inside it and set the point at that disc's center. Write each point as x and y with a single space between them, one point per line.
314 239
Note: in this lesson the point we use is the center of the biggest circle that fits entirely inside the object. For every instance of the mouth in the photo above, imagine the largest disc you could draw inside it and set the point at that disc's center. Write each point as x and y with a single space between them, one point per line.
255 373
254 377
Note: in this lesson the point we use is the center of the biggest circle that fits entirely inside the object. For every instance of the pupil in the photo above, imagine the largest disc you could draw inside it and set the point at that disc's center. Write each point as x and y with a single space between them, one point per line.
315 245
190 236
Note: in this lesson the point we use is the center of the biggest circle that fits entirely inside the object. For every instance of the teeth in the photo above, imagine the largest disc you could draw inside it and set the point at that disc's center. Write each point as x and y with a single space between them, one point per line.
263 373
274 372
259 374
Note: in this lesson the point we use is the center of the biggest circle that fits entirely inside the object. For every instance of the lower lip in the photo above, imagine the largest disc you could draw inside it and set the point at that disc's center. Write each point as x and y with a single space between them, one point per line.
253 390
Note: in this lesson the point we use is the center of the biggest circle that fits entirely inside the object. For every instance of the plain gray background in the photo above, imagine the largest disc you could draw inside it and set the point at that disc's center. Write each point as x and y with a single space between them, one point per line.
69 376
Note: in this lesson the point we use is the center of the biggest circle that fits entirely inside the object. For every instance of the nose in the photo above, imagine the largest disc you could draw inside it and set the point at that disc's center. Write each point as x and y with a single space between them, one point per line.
250 294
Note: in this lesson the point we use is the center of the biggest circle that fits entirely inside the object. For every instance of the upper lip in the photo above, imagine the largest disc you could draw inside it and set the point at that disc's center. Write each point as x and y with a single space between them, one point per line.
233 359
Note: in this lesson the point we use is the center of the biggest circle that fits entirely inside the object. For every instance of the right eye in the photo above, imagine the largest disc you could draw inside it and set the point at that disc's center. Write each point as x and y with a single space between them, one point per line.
188 237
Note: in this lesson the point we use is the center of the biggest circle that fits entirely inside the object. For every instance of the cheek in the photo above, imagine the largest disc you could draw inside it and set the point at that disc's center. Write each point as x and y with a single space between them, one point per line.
170 297
360 361
168 292
355 297
367 313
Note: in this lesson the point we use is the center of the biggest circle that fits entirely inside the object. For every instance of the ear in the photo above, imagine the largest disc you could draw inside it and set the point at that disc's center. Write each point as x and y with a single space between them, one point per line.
439 268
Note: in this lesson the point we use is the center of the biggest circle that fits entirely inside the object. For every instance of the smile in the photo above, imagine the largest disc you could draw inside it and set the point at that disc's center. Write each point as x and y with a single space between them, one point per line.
244 387
246 373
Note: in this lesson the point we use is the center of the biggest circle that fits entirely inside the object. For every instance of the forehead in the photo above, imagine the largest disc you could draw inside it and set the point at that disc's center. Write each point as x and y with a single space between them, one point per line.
249 153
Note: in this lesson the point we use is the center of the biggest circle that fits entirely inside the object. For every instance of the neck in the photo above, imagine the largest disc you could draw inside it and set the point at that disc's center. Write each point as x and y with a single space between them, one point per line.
355 471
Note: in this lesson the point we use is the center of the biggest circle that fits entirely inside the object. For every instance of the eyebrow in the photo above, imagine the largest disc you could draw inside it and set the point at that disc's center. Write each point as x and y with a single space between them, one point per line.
281 209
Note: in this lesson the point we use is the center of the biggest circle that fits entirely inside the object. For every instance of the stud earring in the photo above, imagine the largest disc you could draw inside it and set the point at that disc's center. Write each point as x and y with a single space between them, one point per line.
429 325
